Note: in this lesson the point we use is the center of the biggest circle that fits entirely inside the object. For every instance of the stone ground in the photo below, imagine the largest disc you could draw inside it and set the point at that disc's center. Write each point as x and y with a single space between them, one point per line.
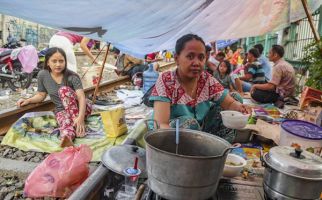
11 187
16 154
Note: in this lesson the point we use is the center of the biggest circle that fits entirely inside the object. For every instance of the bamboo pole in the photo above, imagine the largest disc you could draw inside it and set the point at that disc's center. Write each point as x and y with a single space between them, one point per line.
99 53
101 73
309 17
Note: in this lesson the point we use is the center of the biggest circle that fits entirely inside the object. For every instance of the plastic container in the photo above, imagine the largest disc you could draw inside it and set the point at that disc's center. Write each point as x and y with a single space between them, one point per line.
231 170
131 180
234 119
150 76
301 133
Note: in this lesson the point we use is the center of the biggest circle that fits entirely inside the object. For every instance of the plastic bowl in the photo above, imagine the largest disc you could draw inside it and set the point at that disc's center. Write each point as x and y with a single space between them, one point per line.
234 119
231 170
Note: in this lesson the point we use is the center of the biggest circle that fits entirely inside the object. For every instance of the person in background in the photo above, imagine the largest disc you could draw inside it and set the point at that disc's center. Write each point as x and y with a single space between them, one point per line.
281 85
235 58
264 62
127 65
209 66
66 92
229 54
153 57
219 57
190 94
66 41
255 73
168 56
222 74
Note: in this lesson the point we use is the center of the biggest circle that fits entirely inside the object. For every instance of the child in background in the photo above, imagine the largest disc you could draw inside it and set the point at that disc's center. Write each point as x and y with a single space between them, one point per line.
168 56
66 91
222 74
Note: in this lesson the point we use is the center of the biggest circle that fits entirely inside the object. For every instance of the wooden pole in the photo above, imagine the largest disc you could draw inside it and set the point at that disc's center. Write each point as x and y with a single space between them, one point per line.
99 53
101 74
309 17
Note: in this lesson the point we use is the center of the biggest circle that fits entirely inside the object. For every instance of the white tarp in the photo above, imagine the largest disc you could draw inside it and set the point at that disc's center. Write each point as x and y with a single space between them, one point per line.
144 26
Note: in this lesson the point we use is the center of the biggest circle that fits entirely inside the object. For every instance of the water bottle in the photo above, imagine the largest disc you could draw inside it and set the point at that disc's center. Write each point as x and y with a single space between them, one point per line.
150 76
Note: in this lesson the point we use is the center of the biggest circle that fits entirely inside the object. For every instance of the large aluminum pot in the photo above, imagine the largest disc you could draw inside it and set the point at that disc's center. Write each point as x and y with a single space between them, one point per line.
291 174
191 174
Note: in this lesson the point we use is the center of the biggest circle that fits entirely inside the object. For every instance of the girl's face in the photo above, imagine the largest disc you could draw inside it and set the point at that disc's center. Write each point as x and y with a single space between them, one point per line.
222 68
191 59
57 63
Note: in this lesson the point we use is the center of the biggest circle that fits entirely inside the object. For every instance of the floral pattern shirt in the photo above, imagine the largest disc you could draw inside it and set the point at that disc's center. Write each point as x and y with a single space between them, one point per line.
169 89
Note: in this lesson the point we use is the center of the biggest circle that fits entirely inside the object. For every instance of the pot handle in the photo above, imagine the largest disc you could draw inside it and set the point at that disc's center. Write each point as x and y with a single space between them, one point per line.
234 146
262 159
269 169
155 124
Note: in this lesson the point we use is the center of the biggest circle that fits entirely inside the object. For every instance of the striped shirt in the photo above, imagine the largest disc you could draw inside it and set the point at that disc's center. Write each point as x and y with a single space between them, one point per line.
257 72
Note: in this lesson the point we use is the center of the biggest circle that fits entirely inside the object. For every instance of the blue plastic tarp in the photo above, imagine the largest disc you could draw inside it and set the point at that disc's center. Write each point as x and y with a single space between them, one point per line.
144 26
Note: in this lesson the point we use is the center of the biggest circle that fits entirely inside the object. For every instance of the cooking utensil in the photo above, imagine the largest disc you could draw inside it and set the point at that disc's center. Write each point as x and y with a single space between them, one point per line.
120 157
292 174
177 135
198 166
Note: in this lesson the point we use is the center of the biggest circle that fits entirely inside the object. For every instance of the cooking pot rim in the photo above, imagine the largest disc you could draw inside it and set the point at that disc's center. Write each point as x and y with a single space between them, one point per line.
287 173
225 151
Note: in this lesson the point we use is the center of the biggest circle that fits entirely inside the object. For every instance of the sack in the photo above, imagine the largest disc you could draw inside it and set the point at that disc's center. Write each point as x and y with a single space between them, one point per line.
59 174
114 122
146 97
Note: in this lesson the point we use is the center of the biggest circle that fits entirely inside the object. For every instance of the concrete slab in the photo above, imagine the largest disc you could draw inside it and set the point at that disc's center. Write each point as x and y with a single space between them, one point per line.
18 168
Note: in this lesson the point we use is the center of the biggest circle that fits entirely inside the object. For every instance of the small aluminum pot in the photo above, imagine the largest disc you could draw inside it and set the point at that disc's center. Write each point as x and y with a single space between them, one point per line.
292 174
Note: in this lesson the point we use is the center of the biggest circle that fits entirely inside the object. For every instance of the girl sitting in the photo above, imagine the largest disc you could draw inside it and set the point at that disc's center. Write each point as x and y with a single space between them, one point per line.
66 92
228 81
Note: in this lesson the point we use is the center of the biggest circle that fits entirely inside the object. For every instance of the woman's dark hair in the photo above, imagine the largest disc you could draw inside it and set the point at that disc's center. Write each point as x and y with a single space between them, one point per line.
278 49
66 72
254 52
181 42
227 65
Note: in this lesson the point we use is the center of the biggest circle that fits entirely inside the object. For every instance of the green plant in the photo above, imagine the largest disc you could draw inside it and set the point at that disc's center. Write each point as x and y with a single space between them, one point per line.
313 61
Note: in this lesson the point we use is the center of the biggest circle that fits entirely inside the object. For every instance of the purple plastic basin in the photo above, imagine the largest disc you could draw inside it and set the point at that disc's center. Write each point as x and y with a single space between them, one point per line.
303 129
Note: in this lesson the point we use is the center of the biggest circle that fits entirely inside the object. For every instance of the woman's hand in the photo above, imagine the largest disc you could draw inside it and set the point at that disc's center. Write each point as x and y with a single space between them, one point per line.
240 107
23 102
79 124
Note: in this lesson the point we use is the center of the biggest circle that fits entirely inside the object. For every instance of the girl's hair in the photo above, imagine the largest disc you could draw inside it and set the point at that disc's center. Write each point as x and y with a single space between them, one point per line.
66 72
227 65
181 42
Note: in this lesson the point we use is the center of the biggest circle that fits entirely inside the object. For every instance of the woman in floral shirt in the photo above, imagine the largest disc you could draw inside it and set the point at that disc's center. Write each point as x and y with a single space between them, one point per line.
192 95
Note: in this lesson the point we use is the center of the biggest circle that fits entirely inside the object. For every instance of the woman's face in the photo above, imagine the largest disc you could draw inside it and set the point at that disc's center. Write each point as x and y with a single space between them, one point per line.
223 68
191 59
57 63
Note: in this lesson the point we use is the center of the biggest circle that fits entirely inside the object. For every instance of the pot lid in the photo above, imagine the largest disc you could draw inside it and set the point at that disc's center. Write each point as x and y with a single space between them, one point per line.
120 157
295 162
303 129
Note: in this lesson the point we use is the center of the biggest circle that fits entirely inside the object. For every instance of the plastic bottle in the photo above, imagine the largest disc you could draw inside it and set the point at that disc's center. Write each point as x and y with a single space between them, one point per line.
150 76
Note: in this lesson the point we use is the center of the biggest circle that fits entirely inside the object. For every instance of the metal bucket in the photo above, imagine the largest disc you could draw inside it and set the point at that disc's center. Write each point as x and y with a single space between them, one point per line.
191 174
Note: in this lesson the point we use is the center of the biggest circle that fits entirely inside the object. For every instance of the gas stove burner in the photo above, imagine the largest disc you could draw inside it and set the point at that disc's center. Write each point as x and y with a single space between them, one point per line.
225 191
